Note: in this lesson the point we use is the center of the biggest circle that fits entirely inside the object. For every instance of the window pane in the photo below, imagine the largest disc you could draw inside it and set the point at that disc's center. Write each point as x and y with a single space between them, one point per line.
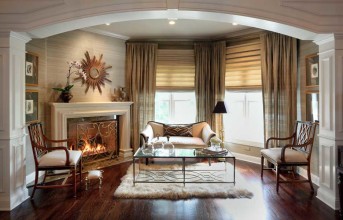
175 107
243 124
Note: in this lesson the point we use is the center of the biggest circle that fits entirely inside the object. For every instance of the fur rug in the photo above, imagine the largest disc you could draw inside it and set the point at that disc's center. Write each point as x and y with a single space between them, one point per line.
174 191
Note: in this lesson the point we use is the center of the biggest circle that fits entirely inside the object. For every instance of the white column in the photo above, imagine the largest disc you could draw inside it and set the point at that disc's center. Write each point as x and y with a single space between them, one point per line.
13 189
331 116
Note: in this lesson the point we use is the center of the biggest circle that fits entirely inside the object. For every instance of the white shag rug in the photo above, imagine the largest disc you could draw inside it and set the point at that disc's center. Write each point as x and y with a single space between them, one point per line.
175 191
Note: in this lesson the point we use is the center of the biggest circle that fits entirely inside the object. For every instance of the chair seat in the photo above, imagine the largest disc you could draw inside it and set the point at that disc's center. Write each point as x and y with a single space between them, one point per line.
58 158
291 156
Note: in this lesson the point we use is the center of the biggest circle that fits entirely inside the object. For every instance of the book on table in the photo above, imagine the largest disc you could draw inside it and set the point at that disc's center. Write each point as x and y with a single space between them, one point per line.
214 150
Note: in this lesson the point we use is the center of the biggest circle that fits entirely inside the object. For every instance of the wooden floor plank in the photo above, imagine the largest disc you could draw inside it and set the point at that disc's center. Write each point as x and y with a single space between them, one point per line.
294 201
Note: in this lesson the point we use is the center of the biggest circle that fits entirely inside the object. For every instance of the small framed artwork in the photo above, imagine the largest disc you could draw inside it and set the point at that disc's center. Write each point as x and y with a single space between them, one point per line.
31 106
312 70
312 106
31 69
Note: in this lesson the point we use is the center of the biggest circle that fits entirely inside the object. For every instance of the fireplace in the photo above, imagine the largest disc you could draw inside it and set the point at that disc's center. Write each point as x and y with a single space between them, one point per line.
96 137
119 112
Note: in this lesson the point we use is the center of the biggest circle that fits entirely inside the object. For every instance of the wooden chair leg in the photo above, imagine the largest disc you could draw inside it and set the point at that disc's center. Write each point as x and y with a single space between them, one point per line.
74 179
80 170
309 177
35 186
277 178
262 165
45 174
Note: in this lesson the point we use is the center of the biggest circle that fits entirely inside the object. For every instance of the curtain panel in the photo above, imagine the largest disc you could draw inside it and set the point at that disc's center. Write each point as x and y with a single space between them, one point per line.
209 81
141 59
279 80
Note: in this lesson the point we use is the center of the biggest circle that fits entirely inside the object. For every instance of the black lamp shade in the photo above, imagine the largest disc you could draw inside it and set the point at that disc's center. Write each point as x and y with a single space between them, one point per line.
220 107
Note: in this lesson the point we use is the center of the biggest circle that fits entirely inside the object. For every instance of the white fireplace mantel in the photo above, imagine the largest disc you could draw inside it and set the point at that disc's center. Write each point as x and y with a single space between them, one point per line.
60 112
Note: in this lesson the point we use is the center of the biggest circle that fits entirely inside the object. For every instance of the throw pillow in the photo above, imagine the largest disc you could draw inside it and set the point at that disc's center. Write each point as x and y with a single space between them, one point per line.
178 130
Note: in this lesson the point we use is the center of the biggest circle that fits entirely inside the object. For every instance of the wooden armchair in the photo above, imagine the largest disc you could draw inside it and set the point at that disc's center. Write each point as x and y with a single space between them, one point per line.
297 153
53 158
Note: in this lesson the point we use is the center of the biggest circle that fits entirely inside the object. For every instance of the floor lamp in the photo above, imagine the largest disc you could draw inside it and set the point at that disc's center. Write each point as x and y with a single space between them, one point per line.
220 108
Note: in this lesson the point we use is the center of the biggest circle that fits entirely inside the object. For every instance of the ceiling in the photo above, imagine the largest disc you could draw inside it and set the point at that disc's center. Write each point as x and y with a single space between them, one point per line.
161 29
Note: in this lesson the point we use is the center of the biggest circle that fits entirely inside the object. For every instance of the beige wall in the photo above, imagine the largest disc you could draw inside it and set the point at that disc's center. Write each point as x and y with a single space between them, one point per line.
54 52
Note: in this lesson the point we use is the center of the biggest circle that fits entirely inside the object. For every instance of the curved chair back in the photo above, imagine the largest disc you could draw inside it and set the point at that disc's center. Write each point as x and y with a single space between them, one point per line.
304 136
38 142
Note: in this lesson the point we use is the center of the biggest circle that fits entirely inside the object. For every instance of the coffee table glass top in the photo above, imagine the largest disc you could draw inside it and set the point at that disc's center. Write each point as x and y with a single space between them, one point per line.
178 153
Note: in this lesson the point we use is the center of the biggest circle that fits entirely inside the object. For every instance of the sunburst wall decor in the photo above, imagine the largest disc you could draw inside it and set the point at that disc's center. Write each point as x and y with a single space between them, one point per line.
95 72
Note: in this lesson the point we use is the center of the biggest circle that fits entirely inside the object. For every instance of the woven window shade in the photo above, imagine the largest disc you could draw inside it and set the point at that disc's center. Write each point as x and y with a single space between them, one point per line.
243 64
175 69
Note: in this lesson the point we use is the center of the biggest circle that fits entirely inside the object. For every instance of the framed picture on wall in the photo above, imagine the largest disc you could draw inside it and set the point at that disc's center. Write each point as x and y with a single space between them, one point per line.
31 69
31 106
312 70
312 106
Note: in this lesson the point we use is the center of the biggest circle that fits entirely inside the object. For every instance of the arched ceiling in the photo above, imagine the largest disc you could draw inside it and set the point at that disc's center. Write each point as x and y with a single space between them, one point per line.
300 19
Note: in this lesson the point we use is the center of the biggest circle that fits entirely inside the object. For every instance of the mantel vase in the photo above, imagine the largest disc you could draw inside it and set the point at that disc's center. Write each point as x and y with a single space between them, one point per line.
66 97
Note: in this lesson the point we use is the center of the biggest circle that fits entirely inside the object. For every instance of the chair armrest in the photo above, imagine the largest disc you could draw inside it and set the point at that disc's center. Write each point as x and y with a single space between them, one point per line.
207 134
275 138
147 134
61 148
59 141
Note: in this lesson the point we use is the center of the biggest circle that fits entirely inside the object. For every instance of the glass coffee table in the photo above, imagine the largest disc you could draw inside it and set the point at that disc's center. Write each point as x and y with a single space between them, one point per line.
177 172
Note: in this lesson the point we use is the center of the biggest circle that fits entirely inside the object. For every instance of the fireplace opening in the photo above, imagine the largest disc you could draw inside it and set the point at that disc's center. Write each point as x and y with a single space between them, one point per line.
96 137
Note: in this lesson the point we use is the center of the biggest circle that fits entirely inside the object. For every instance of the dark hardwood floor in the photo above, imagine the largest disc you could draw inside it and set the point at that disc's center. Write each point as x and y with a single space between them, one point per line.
292 202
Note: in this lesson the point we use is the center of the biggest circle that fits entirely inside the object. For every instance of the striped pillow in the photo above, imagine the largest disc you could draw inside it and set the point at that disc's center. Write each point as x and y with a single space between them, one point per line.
178 130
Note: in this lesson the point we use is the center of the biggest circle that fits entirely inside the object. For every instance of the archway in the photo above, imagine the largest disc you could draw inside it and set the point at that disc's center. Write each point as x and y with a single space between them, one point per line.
50 22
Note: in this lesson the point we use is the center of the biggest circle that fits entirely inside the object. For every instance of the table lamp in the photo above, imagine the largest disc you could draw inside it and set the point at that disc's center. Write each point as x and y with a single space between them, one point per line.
220 108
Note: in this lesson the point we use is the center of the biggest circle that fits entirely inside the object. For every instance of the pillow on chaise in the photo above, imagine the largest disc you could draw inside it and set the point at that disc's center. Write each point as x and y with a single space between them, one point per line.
177 130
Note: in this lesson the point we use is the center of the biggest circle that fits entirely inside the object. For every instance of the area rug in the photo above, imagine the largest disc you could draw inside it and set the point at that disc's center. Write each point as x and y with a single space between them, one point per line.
173 191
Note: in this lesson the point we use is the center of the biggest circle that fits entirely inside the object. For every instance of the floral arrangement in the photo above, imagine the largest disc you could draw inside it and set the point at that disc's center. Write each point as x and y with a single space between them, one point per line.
79 72
215 140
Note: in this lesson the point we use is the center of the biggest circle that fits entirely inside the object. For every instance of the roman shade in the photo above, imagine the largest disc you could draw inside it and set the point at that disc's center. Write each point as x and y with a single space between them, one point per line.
175 69
243 63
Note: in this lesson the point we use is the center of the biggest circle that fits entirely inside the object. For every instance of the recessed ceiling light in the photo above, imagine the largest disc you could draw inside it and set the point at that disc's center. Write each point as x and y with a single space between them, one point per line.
234 23
108 24
172 21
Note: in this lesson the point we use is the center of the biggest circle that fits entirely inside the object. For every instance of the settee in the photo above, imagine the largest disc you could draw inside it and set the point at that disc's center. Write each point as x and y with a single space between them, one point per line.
195 135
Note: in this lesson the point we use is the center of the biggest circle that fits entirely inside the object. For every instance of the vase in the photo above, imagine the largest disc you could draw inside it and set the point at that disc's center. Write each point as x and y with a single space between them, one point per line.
66 97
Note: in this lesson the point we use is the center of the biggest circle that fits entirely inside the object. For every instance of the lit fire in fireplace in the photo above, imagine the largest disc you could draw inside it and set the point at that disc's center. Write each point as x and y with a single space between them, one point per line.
96 139
91 146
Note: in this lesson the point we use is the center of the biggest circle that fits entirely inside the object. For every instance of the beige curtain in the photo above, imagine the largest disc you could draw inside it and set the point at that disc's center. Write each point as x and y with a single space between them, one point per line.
141 85
279 80
209 81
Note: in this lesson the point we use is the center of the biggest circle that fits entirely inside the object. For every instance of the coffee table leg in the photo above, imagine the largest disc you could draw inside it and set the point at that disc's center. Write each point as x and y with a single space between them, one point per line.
134 173
184 171
234 170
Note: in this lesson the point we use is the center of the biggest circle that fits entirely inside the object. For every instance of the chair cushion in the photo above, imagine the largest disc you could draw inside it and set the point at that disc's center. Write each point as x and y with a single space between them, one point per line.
290 155
58 158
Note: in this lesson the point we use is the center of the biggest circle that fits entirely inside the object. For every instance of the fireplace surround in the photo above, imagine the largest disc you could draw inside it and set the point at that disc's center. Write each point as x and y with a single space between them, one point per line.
61 112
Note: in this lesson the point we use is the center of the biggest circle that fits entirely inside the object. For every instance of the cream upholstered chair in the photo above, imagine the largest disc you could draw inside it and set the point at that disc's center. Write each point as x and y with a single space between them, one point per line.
296 153
53 158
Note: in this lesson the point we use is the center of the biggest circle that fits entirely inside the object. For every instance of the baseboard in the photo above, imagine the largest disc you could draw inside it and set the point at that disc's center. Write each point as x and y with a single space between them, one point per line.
247 158
31 177
303 172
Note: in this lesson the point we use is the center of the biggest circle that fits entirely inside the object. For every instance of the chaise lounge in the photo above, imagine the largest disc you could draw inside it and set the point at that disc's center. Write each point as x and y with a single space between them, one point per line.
196 135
